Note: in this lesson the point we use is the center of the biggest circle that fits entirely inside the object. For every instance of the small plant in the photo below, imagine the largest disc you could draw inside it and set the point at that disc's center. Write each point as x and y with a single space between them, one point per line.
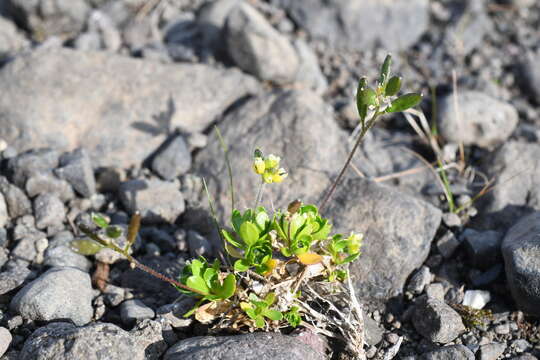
278 257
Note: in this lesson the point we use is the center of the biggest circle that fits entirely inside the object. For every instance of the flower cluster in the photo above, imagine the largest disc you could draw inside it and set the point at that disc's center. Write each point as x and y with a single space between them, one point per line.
268 168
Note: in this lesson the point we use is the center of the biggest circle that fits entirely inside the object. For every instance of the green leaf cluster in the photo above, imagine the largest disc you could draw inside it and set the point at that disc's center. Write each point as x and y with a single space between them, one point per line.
259 310
198 274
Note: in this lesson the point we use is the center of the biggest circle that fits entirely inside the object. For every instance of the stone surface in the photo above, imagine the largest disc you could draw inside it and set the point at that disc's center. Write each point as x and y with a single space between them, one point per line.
516 168
13 277
76 168
49 211
522 263
17 202
394 25
491 351
32 162
48 18
309 73
64 341
276 123
60 255
481 120
47 183
158 201
483 248
262 346
530 74
398 230
4 216
258 48
476 299
11 41
198 245
60 293
5 340
373 332
451 352
447 244
420 279
132 311
117 125
173 159
436 321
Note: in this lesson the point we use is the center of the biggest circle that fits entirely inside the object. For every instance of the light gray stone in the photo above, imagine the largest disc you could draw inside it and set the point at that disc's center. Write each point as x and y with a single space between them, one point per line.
173 160
420 279
436 321
60 293
5 340
258 48
478 120
11 40
49 211
451 352
198 245
118 126
491 351
76 168
309 73
132 311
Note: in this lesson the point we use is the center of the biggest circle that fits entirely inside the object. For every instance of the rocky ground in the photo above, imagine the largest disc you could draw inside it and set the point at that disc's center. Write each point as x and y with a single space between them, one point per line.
109 106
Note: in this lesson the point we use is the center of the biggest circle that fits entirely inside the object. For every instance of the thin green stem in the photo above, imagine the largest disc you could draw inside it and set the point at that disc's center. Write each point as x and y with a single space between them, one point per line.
447 189
364 130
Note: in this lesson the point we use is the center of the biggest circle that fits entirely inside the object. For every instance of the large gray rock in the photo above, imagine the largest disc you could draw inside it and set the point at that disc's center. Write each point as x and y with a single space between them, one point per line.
398 231
45 18
98 341
478 120
17 202
76 168
158 201
13 277
5 340
11 41
119 109
522 263
60 293
393 24
530 74
260 346
258 48
173 159
436 321
516 168
295 125
33 162
451 352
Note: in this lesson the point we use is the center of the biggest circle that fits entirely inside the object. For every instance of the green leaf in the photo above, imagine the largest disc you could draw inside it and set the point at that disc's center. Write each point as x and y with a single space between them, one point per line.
196 267
230 239
362 84
249 233
197 283
229 287
351 258
113 231
270 298
393 86
261 219
404 102
259 322
85 246
237 220
309 209
366 97
241 265
209 275
285 252
385 70
273 314
251 313
100 220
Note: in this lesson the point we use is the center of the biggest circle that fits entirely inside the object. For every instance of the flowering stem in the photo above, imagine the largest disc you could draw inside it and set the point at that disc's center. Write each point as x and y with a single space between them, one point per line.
259 194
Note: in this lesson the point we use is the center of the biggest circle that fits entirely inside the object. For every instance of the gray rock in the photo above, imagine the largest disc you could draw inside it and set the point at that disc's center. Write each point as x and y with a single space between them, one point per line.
49 211
104 104
48 18
4 253
373 332
26 248
447 244
149 335
451 219
211 19
276 123
398 230
109 37
198 245
491 351
60 293
420 279
525 357
522 263
76 168
516 167
476 299
17 202
451 352
65 341
263 346
481 120
63 256
5 340
173 314
530 75
436 321
467 31
11 41
258 48
47 183
520 345
483 248
30 163
13 277
114 295
173 160
309 73
158 201
4 216
435 291
132 311
360 25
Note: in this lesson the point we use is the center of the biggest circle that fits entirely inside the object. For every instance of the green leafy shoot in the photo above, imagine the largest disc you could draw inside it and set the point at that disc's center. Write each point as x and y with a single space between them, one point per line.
293 316
259 310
